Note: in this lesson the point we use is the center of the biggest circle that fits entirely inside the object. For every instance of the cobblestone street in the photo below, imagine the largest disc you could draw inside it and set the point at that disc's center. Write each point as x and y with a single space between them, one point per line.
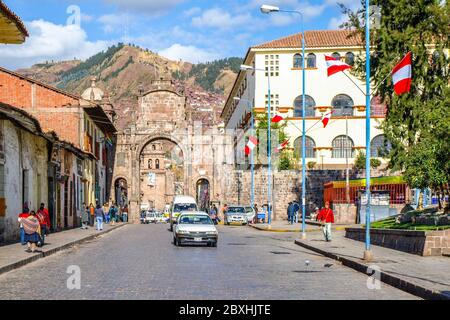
140 262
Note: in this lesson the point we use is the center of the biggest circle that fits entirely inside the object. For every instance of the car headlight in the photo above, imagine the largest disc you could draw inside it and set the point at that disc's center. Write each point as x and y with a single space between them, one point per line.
211 232
182 232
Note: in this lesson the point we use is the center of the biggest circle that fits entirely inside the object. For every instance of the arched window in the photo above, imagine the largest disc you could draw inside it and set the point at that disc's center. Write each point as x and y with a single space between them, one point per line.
343 147
342 105
377 107
150 164
157 164
311 60
310 145
350 58
297 60
380 146
298 105
336 55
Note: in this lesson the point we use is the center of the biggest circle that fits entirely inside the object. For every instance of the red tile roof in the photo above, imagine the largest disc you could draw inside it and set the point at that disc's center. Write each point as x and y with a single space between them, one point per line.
11 18
316 39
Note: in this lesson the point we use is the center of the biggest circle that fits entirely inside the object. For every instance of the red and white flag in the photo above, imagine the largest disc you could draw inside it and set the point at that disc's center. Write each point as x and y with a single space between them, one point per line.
326 118
401 75
282 146
335 65
277 118
251 144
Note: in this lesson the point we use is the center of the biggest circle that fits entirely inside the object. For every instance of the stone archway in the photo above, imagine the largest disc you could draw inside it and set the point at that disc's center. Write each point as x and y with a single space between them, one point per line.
160 171
203 194
121 191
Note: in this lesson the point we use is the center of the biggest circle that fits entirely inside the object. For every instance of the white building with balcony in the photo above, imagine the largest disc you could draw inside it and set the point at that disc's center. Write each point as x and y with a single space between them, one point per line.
328 147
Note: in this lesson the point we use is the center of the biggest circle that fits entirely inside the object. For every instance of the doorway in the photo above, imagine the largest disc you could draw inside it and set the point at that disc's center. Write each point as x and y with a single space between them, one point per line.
203 195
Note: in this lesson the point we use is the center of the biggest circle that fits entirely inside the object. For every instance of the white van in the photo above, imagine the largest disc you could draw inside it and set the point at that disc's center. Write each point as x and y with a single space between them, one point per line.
181 204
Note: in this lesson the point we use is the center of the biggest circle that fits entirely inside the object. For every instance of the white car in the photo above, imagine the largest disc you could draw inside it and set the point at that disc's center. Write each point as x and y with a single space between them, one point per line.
195 228
250 213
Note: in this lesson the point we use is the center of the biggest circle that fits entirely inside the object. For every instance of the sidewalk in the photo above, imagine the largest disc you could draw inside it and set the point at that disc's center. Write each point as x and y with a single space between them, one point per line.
426 277
283 226
14 256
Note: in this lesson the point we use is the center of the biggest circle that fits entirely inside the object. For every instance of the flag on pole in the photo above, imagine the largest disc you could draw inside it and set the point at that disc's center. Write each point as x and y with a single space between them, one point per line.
335 65
326 118
251 144
282 146
401 75
277 118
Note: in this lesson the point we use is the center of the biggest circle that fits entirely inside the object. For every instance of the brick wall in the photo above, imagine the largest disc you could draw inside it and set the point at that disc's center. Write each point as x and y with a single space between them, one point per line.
54 110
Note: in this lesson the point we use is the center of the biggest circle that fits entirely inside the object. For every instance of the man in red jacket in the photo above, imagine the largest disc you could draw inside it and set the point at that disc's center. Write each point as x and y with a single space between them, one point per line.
326 216
44 220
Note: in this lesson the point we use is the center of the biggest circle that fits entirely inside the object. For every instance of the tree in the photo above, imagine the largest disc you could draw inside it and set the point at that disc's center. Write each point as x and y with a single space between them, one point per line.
360 161
417 123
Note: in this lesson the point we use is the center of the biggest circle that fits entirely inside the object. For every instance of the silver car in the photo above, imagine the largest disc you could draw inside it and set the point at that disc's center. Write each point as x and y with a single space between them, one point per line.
236 214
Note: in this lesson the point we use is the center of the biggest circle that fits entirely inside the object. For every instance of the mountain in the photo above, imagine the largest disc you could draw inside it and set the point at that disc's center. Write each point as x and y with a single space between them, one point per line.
123 70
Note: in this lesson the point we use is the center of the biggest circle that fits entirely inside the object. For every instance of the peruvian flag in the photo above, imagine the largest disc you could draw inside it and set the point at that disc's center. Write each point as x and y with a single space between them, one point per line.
335 65
252 143
326 118
282 146
401 75
277 118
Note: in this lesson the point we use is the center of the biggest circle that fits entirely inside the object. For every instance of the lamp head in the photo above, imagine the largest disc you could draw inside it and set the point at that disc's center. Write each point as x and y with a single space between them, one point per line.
245 67
237 99
268 9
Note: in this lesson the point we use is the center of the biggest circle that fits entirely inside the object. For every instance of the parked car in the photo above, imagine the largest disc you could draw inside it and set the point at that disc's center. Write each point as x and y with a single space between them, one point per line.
150 217
195 228
250 213
143 216
236 214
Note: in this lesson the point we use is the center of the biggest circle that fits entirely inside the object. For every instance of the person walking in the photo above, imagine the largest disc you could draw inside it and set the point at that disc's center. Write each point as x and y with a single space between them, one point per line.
85 217
125 214
291 212
112 214
32 230
25 214
91 214
106 213
255 219
44 221
296 209
213 214
99 217
326 216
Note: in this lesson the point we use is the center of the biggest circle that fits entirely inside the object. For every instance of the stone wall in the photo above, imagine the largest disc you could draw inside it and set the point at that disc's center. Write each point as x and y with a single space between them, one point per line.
424 243
286 187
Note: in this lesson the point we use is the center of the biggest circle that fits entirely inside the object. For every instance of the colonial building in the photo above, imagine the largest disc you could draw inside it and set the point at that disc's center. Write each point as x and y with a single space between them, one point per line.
328 148
81 157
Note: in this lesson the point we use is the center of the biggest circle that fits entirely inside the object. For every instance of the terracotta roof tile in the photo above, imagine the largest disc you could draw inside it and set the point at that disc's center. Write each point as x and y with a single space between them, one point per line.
316 39
7 13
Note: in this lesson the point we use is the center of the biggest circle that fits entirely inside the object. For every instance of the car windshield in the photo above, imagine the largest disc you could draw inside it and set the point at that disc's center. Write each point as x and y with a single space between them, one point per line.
195 219
179 207
248 209
236 210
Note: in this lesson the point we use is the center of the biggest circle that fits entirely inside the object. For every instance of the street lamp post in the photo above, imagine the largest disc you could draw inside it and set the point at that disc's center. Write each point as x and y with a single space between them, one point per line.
252 164
269 141
367 252
269 9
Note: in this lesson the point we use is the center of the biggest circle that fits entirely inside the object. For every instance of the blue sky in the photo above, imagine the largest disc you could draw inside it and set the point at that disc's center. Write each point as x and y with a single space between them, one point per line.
191 30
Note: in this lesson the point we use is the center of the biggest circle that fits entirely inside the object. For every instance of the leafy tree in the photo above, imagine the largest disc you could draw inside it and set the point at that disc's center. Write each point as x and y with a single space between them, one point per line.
417 123
360 161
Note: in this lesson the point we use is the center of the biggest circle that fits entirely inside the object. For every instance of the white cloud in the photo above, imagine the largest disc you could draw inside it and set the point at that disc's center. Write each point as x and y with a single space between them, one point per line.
220 19
337 21
192 11
188 53
49 41
151 7
114 22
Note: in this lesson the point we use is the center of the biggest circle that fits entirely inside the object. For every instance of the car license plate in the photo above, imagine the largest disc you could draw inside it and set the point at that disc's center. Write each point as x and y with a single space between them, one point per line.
197 239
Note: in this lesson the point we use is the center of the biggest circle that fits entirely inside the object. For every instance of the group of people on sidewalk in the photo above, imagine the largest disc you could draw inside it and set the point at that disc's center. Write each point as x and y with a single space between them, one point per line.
34 227
99 215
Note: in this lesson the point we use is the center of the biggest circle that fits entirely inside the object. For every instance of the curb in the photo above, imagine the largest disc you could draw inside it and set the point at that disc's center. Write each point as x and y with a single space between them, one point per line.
387 278
295 230
50 252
